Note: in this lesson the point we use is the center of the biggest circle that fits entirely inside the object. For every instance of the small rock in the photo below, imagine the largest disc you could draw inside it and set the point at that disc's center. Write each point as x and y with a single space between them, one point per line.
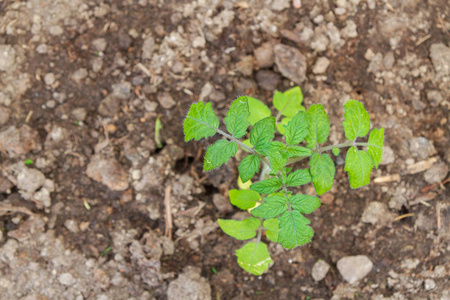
109 106
108 172
199 42
17 142
99 44
49 78
320 270
56 30
5 113
101 279
30 180
376 63
377 213
150 105
389 60
410 263
79 114
189 285
7 57
321 65
42 49
267 80
166 100
264 56
434 97
222 204
79 75
429 284
354 268
388 156
245 65
122 90
291 63
306 34
320 43
66 279
440 56
72 226
148 47
420 147
43 197
327 198
279 5
97 64
136 174
349 31
436 173
369 54
5 185
123 40
418 105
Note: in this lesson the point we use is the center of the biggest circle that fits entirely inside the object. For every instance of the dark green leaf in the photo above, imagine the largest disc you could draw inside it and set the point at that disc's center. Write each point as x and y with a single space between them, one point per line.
267 186
295 151
219 153
294 230
262 133
237 117
248 167
305 204
297 129
322 172
299 177
201 122
272 207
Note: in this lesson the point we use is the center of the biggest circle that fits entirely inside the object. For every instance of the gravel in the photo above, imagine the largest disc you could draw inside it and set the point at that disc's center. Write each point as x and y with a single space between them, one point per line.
49 78
388 156
377 213
5 114
354 268
166 100
436 173
109 172
7 57
440 56
429 285
189 285
321 65
267 80
30 180
264 56
291 63
148 47
320 270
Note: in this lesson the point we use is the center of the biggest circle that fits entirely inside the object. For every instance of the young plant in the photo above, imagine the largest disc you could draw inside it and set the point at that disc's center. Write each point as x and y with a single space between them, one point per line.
275 209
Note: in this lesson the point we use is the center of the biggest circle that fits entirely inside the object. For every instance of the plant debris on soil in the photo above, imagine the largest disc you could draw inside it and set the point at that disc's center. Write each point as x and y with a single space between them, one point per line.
100 198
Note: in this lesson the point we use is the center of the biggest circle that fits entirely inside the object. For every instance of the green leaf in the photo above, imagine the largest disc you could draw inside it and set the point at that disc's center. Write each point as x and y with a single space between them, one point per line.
358 164
357 120
276 159
248 167
254 258
28 161
271 226
258 110
247 143
305 204
237 117
322 172
280 126
272 207
219 153
294 230
375 148
289 102
241 230
244 199
295 151
336 151
299 177
262 133
296 129
201 122
267 186
318 126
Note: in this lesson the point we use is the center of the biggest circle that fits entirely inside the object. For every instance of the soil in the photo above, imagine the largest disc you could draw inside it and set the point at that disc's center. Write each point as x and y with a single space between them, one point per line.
84 111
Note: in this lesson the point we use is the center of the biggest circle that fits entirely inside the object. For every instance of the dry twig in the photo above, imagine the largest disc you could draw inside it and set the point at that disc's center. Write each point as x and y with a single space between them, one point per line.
168 212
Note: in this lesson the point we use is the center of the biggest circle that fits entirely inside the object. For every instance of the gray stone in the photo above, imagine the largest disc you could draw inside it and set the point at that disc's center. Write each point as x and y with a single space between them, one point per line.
5 114
429 285
320 270
99 44
109 106
264 56
56 30
42 49
79 75
49 78
440 56
279 5
320 42
267 80
388 156
108 172
389 60
434 97
410 263
7 57
245 65
148 47
436 173
222 204
354 268
418 105
66 279
72 226
291 63
17 142
321 65
420 147
30 180
43 197
79 114
189 285
349 31
166 100
376 63
122 90
377 213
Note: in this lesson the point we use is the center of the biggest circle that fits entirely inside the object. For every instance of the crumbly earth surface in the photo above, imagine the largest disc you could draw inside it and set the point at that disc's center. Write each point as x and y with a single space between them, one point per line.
87 188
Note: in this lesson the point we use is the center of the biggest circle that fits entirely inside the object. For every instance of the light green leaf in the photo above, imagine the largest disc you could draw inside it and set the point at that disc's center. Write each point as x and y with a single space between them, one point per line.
272 207
241 230
305 204
254 258
294 230
375 148
276 159
295 151
262 133
248 167
318 126
289 102
258 110
336 151
280 126
237 117
322 172
271 226
357 120
296 129
201 122
219 153
299 177
244 199
267 186
358 164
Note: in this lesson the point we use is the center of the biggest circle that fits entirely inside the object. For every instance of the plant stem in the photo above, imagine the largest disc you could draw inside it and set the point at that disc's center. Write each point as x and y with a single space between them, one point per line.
342 145
258 238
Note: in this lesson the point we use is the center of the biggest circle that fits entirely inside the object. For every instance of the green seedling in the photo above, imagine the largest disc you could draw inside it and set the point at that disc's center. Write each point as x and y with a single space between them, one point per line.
158 127
28 162
277 211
